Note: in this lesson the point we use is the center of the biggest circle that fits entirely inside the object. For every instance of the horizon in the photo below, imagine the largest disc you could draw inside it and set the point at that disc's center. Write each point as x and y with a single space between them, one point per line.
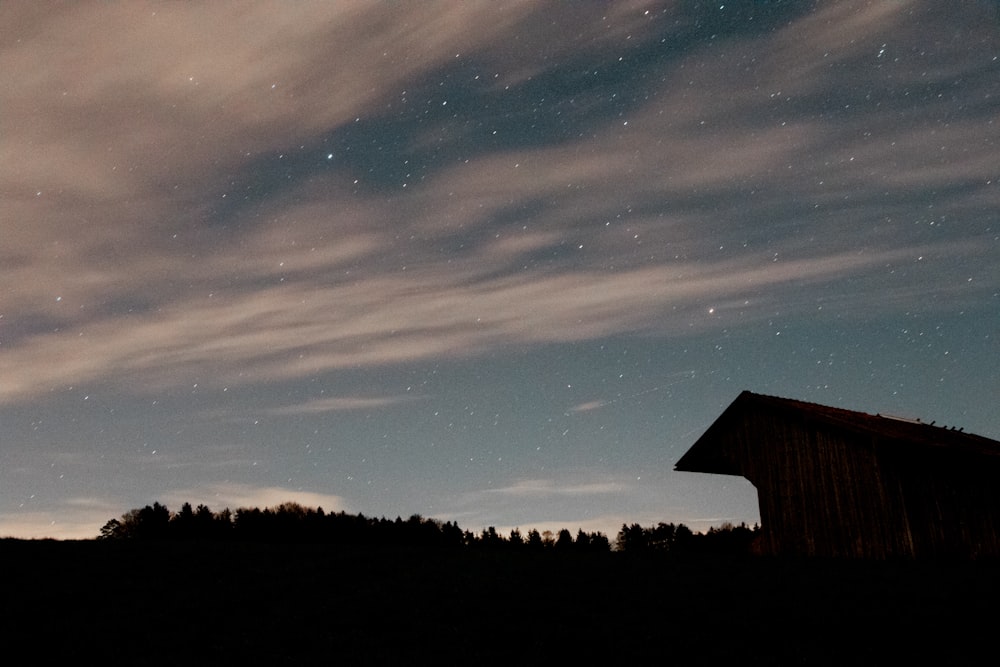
498 264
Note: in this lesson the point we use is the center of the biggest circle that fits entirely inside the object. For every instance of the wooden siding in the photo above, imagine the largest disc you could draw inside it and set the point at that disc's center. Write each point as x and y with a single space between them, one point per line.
827 489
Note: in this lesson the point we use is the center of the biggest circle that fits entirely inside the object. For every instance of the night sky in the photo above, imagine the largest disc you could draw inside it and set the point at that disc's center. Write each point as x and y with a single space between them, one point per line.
499 263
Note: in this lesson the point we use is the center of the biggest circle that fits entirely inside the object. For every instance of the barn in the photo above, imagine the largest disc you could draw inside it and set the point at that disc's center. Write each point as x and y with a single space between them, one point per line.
844 484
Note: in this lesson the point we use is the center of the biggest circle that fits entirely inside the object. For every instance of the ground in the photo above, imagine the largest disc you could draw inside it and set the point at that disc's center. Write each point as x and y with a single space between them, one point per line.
221 603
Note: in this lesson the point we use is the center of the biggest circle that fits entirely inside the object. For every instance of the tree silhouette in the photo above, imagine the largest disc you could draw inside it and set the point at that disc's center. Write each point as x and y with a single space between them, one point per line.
535 540
632 539
112 530
564 540
291 522
599 542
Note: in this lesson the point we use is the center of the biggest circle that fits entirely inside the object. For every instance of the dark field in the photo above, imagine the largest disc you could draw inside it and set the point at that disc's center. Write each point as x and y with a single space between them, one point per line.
141 603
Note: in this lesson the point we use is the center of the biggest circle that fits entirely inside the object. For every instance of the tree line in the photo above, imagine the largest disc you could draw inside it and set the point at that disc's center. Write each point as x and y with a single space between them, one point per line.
679 539
292 523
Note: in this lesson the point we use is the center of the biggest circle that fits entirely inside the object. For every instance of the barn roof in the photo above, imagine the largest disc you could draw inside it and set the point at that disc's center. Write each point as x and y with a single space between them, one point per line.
888 431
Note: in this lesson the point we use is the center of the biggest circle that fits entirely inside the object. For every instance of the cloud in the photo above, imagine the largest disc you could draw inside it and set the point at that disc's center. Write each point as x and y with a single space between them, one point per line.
221 495
548 487
577 499
289 331
588 406
77 518
192 230
82 517
341 404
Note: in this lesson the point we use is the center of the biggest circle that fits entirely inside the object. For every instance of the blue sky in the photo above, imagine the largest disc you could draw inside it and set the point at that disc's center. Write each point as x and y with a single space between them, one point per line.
497 263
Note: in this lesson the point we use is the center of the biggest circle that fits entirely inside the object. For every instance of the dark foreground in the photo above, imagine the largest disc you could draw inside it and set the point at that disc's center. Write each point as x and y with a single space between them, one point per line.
135 603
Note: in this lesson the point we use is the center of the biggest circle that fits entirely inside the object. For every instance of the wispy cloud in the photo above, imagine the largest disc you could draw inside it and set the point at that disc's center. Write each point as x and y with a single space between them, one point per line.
549 487
220 495
196 268
77 518
291 331
82 517
575 496
341 404
588 406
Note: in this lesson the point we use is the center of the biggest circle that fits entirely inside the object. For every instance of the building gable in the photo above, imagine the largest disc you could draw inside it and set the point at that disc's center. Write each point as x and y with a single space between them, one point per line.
834 482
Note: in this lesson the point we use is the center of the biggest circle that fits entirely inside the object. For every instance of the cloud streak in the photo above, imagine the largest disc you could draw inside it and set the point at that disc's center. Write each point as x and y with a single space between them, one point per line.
547 487
234 496
523 245
289 331
341 404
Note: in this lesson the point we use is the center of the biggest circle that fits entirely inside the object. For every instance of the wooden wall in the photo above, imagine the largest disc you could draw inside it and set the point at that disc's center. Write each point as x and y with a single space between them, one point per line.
836 492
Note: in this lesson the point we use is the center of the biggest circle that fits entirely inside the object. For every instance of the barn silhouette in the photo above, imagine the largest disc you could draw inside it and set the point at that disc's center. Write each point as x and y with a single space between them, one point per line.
844 484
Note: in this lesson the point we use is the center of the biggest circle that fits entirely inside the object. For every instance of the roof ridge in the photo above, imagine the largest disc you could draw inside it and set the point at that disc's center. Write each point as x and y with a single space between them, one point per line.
887 424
